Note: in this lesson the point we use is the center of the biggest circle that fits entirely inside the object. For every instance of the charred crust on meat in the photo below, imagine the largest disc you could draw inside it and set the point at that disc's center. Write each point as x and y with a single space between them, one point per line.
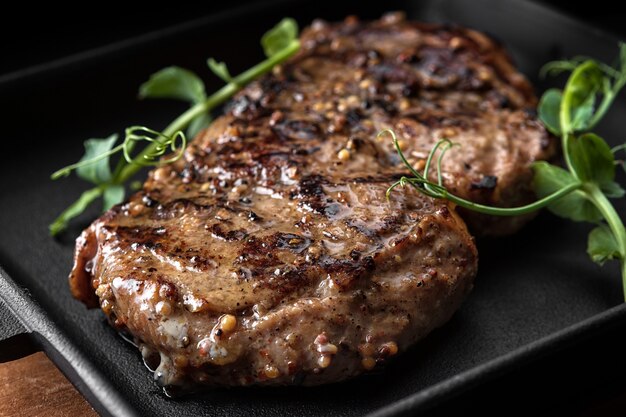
344 272
148 201
487 182
296 130
227 235
263 222
311 186
293 242
253 217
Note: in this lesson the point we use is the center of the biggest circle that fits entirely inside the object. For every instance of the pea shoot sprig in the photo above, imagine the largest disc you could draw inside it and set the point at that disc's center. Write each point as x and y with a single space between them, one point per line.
582 192
279 43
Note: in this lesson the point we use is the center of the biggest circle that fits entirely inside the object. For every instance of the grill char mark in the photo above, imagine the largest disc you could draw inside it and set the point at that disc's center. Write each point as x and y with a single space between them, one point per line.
262 257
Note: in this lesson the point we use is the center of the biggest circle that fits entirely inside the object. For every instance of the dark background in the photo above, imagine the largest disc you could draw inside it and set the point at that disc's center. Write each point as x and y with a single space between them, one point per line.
28 39
33 35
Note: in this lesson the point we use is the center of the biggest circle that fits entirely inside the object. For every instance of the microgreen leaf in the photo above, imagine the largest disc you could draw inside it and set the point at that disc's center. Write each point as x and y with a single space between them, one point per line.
113 194
176 83
620 162
554 68
197 124
99 171
220 69
612 190
618 148
602 246
279 37
592 159
75 209
579 97
159 145
575 206
550 108
582 114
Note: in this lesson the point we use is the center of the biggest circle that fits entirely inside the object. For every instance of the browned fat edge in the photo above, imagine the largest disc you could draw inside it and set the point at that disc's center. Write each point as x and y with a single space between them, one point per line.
81 277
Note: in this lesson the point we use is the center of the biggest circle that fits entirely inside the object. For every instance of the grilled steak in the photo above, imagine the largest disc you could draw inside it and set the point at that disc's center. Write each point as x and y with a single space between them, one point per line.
268 254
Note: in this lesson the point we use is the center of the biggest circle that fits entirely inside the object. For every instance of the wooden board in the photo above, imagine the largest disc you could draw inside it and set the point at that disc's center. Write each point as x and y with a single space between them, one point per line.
33 386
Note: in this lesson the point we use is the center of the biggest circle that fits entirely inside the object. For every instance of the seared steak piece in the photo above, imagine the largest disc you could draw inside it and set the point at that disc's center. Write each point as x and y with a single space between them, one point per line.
268 254
426 82
303 283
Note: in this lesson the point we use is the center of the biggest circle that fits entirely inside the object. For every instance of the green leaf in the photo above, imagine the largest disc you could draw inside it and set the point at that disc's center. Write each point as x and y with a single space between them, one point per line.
75 209
279 37
99 171
550 108
113 194
220 69
176 83
579 96
581 115
554 68
612 190
592 159
575 206
197 124
602 246
618 148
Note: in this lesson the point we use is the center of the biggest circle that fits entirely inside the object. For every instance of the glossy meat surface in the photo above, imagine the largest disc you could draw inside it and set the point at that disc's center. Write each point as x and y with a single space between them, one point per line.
269 255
